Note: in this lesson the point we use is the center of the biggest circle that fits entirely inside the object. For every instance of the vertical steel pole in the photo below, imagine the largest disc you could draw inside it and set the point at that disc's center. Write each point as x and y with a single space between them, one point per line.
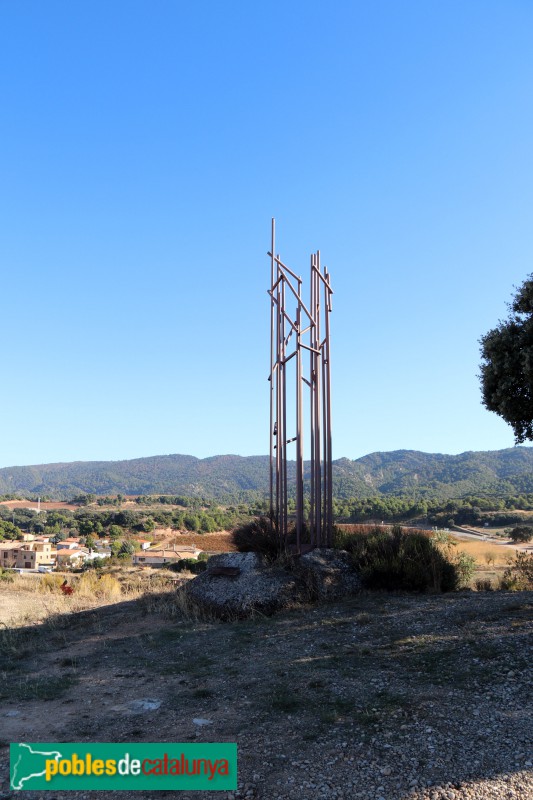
325 473
327 303
279 431
318 402
299 426
312 394
284 410
271 367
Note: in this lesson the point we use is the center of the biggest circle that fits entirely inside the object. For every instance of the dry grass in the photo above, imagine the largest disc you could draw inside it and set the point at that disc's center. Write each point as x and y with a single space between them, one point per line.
29 600
492 559
103 587
486 553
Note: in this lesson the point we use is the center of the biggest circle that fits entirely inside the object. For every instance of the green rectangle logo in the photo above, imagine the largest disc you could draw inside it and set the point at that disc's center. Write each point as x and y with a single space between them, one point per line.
109 766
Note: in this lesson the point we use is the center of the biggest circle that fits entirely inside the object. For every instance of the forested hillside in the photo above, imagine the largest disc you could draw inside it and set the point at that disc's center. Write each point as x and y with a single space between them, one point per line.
235 478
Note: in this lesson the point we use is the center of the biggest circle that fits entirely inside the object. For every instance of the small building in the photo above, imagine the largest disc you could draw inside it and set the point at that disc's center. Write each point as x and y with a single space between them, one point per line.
68 557
101 549
25 555
72 543
8 554
92 554
158 558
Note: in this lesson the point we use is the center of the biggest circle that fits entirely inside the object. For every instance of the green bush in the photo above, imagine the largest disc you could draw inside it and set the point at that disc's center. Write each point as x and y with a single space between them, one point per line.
519 575
95 563
465 566
189 565
394 560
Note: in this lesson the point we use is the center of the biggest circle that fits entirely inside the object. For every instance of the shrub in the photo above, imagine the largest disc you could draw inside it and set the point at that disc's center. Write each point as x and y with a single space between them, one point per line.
258 536
189 565
463 563
465 566
519 575
395 560
95 563
6 575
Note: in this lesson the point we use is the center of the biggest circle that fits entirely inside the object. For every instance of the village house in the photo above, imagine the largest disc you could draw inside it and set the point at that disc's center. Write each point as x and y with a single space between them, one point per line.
98 553
72 557
8 554
32 537
72 543
25 555
157 558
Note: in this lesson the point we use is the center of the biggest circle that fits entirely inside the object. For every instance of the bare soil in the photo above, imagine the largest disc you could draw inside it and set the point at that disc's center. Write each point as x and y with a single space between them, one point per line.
380 696
13 504
219 542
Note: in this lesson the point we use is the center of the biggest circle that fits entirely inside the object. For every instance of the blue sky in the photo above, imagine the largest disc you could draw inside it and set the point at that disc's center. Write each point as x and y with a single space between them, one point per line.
145 147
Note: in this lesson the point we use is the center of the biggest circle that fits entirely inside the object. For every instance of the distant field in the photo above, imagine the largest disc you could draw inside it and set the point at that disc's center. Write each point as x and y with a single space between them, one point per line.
52 506
219 542
366 527
487 553
13 504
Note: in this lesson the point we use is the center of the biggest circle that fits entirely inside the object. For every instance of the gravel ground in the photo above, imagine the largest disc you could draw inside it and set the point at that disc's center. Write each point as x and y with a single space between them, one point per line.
382 697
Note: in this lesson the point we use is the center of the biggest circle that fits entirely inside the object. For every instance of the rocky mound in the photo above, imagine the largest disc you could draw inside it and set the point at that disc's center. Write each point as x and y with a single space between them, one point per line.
239 585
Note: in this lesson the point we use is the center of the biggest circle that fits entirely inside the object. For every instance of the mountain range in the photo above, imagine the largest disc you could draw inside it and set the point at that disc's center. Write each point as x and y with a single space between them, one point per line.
232 478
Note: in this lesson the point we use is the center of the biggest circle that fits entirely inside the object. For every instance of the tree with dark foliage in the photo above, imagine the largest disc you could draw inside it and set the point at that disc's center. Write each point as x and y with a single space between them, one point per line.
522 533
507 366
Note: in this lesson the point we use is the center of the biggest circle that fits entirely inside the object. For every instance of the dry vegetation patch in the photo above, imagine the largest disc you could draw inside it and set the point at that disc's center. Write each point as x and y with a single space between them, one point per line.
32 599
492 560
487 553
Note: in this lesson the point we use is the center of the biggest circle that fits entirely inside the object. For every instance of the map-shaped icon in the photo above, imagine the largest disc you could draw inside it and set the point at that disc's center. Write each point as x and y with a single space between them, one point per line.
29 763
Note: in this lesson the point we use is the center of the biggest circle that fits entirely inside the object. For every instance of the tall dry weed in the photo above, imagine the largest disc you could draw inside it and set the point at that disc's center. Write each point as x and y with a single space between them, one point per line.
103 587
50 583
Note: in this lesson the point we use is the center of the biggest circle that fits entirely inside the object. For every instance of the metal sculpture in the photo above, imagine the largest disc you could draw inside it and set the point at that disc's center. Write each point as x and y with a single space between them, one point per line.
292 337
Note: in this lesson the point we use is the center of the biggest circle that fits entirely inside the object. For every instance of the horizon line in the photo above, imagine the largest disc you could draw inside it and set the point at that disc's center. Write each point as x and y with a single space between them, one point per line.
260 455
